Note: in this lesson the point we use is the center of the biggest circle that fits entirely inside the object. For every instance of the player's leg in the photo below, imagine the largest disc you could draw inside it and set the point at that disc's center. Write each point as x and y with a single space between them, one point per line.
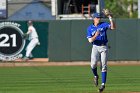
104 57
30 47
31 56
26 57
94 60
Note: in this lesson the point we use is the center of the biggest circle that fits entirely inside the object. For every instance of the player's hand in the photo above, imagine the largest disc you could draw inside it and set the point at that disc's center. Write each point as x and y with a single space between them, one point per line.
25 36
97 33
107 12
92 39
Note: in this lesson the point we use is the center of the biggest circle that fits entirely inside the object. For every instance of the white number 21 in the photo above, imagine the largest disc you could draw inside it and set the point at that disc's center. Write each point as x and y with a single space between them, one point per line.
4 42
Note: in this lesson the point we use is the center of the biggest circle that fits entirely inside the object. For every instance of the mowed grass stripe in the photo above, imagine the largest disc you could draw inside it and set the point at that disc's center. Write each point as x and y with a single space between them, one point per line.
66 79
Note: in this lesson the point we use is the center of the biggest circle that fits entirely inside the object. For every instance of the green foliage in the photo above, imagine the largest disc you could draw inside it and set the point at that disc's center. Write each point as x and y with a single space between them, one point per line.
119 8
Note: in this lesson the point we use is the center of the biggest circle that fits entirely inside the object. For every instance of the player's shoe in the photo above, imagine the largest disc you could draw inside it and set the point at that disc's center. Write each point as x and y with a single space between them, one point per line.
96 80
101 89
31 58
25 58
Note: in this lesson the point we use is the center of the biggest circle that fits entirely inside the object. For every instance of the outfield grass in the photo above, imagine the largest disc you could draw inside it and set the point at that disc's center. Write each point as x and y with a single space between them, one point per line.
67 79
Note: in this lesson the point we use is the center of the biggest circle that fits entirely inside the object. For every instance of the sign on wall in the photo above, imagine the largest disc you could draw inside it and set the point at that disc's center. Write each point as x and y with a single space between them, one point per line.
11 41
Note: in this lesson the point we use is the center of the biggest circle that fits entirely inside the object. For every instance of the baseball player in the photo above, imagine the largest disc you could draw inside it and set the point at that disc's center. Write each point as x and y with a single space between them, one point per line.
33 38
97 36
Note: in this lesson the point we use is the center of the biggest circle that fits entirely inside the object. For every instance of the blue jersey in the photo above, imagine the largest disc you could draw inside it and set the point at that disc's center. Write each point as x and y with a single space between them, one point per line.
102 28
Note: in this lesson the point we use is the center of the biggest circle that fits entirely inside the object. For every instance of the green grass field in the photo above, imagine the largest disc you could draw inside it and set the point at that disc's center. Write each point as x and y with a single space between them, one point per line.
67 79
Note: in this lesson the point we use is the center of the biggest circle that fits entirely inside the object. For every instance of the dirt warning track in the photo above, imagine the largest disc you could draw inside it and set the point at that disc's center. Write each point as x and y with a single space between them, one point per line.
45 62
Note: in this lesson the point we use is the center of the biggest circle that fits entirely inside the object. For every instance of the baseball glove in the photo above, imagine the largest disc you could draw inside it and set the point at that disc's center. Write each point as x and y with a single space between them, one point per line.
25 36
107 12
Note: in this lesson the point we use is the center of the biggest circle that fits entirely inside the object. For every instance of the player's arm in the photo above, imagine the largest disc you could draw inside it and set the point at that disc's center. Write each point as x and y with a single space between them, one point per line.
92 39
29 31
108 13
112 23
25 35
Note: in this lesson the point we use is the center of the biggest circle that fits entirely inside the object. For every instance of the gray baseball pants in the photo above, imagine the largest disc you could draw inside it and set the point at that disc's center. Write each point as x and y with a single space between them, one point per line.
99 53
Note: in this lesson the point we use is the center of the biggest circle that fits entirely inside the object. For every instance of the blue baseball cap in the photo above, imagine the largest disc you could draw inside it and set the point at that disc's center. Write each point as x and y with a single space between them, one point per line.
96 15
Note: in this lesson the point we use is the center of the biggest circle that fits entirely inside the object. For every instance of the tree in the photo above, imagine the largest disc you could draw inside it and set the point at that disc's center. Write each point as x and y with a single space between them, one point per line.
122 8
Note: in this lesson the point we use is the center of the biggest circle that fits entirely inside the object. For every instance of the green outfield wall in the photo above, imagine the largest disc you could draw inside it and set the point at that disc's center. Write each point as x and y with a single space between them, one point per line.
66 40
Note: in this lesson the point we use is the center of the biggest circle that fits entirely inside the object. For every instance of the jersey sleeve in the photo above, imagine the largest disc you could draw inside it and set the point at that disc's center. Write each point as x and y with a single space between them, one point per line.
30 29
89 34
107 25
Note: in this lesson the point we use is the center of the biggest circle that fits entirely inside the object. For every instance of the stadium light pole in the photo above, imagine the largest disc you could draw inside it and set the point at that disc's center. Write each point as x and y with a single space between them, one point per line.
100 6
138 8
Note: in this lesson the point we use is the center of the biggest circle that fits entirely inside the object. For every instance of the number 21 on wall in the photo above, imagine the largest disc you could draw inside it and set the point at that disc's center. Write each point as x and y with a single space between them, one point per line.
4 42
